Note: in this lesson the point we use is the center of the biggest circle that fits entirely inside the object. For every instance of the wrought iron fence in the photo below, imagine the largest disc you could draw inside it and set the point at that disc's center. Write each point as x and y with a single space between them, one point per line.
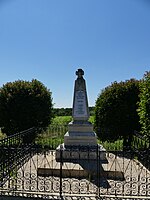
31 170
13 153
141 147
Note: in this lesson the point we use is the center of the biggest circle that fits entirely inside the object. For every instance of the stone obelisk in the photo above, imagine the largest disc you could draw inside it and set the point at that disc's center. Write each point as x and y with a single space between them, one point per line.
80 141
80 101
80 130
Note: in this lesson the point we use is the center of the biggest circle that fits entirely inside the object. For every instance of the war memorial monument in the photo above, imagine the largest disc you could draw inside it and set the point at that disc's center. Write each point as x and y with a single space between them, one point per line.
80 142
80 154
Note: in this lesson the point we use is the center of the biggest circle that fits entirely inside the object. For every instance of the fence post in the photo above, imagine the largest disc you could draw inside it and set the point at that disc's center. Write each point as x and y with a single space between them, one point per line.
98 170
61 163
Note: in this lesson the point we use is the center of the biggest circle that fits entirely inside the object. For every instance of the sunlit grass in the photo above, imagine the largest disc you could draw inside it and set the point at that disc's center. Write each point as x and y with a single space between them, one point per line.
113 146
61 120
2 135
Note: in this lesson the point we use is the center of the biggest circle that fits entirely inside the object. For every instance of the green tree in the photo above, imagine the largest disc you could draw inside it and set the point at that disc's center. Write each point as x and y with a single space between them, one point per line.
24 104
144 104
115 110
62 111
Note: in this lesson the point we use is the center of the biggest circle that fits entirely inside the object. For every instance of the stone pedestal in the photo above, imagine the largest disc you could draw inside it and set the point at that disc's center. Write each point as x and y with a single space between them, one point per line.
71 153
80 133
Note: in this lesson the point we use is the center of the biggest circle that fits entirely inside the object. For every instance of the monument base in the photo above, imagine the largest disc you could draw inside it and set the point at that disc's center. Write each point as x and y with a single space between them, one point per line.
70 153
80 139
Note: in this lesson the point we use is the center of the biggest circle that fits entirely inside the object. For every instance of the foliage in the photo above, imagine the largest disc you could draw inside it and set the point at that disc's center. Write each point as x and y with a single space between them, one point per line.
91 119
112 146
61 120
24 104
2 135
64 120
62 111
144 104
115 110
68 111
92 110
52 136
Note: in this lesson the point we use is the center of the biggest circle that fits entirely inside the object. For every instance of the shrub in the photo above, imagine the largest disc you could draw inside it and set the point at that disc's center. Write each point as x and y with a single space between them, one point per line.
115 110
24 104
144 104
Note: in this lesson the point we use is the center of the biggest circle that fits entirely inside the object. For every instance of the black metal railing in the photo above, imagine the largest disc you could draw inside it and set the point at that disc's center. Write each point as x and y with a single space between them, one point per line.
52 136
141 148
31 169
140 142
13 153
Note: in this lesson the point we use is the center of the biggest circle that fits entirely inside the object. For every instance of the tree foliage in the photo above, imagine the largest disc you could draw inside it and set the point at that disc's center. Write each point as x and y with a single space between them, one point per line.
68 111
62 111
115 110
144 104
24 104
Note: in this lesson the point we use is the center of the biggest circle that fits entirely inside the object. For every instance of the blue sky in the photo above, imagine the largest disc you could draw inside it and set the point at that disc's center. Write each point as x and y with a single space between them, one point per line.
49 40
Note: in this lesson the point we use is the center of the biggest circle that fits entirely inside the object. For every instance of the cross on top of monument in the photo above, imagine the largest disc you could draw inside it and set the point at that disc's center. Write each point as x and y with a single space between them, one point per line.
80 73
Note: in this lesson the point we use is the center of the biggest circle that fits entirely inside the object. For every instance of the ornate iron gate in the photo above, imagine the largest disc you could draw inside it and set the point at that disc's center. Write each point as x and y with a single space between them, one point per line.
31 170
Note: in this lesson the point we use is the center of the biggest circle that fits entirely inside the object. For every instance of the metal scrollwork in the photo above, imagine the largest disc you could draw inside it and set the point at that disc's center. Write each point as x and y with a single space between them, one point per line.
123 175
75 186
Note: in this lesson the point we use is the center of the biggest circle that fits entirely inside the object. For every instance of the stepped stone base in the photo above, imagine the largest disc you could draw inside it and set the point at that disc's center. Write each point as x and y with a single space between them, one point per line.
80 143
80 139
80 133
80 126
69 153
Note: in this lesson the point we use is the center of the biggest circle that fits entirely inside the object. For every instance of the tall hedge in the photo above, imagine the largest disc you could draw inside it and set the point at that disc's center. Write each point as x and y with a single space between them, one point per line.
24 104
144 104
115 110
